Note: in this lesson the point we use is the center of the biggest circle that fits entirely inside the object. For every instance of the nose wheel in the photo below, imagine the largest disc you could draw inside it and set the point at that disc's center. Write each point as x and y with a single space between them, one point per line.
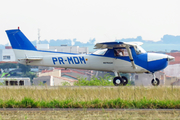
155 82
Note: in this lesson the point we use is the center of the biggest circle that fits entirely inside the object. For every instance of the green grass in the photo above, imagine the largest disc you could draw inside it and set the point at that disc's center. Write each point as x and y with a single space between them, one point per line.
114 103
101 81
107 80
90 97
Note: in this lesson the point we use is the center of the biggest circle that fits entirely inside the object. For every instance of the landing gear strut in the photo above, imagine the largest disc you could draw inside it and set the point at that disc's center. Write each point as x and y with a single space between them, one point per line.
155 81
120 80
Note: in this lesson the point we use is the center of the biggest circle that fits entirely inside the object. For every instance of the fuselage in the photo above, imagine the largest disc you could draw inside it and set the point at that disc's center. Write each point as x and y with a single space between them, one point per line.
145 62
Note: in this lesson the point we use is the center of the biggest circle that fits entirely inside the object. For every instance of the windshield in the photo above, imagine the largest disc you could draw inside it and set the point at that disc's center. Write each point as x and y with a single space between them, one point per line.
100 52
139 50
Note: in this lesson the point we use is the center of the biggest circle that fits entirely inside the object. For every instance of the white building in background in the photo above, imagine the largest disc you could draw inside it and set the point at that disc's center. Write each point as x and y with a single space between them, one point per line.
42 46
52 78
16 81
64 48
173 70
7 54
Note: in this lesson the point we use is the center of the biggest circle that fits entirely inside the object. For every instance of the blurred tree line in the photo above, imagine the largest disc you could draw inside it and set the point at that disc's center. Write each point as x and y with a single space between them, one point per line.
24 69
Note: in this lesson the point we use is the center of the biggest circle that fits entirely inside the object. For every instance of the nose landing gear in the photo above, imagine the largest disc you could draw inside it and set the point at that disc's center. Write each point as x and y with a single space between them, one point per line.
155 81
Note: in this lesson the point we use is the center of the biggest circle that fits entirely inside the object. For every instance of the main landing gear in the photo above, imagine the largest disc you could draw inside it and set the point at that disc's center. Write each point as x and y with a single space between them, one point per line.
155 81
120 80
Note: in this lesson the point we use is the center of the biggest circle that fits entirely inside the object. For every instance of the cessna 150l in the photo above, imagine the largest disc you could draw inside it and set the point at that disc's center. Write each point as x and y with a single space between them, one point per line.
118 57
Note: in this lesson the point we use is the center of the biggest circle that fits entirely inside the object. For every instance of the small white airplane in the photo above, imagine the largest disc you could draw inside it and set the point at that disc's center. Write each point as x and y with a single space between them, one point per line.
118 57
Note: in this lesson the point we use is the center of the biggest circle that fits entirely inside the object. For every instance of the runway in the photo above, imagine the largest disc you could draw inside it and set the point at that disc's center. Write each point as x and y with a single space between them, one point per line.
86 114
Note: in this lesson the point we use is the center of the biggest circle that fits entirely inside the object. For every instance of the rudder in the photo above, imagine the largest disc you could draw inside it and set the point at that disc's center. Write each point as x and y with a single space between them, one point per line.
19 41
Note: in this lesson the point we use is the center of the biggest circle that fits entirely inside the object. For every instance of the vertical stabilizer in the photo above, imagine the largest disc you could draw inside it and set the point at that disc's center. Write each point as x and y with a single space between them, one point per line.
19 41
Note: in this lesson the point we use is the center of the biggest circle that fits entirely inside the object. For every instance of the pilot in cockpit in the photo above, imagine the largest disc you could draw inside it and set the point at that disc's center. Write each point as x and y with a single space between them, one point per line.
119 52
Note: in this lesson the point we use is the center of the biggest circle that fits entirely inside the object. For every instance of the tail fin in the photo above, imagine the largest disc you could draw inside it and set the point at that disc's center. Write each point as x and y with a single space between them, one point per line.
19 41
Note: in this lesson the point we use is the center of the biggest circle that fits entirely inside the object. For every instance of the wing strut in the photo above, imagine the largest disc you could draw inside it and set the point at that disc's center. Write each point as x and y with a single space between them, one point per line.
130 56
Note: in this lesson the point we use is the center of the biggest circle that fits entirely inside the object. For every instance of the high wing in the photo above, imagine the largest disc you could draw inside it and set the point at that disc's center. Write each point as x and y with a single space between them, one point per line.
111 45
127 45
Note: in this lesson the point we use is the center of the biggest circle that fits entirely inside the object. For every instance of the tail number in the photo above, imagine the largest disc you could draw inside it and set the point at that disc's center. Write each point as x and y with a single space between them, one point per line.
68 60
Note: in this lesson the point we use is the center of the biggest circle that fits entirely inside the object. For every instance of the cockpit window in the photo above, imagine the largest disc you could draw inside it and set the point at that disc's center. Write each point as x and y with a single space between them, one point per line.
120 52
139 50
100 52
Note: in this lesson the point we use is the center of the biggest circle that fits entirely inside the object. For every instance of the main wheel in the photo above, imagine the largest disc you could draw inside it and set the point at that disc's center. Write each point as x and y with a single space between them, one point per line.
125 80
155 82
118 81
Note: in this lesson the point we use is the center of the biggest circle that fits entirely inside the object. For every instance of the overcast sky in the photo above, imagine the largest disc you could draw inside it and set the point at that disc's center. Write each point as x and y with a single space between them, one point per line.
104 20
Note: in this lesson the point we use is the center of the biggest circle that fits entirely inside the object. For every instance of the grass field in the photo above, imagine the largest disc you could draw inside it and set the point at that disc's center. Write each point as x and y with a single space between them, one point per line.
165 95
90 93
96 97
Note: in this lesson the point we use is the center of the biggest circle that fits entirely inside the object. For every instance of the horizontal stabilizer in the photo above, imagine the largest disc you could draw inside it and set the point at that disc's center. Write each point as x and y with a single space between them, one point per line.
31 58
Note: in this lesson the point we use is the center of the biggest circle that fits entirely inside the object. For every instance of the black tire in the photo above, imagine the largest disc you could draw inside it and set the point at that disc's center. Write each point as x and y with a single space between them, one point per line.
118 81
125 82
155 83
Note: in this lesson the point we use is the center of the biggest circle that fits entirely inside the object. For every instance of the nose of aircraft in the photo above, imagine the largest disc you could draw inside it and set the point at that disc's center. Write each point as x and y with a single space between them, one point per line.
158 61
157 56
170 58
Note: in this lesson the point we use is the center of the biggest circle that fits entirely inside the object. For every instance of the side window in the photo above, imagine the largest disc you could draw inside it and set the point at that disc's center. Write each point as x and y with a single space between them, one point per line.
137 50
120 52
100 52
